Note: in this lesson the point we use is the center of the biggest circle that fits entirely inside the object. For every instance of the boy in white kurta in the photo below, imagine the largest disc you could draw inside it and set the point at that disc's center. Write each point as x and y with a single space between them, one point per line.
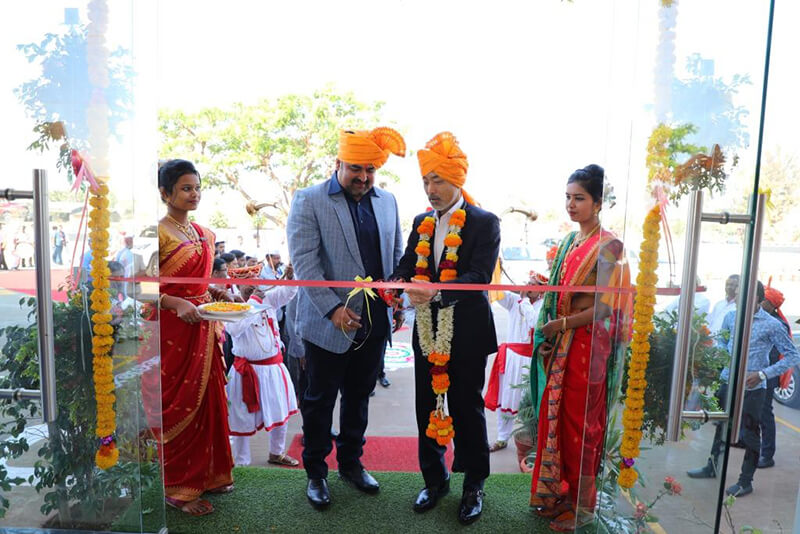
260 391
513 360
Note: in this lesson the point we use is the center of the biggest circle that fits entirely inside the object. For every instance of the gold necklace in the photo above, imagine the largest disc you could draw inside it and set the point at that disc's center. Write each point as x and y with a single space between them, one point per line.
189 231
578 241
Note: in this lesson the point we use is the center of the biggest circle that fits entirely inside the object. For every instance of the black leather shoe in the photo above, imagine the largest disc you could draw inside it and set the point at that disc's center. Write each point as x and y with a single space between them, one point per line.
317 493
471 506
383 381
428 497
359 478
763 463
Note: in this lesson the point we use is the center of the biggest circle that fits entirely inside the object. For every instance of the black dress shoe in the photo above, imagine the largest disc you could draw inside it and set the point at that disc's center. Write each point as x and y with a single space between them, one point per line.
383 381
763 463
471 506
317 493
428 497
707 471
359 478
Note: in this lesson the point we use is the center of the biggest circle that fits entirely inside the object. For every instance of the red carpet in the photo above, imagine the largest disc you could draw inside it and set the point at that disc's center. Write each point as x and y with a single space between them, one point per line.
24 281
381 453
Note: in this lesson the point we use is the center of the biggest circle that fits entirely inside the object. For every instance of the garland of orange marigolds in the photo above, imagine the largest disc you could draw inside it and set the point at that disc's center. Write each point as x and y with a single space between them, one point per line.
633 414
436 347
103 339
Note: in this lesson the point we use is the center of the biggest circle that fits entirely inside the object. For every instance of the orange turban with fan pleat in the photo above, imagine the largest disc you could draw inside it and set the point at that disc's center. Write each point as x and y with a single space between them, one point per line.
370 147
443 156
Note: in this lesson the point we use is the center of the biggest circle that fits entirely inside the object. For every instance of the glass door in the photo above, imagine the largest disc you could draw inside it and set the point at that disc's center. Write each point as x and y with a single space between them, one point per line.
74 100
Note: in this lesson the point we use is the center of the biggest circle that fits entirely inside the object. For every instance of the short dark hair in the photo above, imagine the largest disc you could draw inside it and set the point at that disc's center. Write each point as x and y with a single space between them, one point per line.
237 253
170 171
228 257
219 243
760 293
591 179
219 263
115 267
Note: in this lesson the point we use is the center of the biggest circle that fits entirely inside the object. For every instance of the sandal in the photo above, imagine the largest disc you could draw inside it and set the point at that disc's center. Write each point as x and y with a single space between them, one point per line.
555 511
221 490
569 522
498 445
195 508
283 459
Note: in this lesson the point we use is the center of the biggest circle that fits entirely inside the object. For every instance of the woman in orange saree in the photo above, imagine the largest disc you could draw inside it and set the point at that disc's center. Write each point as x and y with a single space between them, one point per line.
574 344
193 408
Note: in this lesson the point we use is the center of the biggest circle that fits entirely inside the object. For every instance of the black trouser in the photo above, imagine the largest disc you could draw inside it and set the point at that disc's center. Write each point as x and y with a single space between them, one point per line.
298 376
465 405
354 373
768 421
750 433
227 352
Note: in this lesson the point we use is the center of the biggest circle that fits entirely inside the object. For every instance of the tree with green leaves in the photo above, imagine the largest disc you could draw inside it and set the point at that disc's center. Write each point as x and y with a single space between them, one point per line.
57 99
290 140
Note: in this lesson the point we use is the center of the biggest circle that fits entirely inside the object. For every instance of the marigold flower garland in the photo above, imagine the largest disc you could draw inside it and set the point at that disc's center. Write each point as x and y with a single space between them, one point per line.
103 339
633 414
436 347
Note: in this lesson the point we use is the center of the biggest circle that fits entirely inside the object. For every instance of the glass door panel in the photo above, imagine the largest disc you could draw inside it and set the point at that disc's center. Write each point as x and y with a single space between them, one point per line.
74 82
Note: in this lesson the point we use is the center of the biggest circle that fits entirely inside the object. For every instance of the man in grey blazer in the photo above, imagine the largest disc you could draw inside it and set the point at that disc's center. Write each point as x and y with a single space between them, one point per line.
339 229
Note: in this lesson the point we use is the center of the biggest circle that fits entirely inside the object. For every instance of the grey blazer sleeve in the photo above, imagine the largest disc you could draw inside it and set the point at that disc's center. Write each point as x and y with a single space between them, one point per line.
303 233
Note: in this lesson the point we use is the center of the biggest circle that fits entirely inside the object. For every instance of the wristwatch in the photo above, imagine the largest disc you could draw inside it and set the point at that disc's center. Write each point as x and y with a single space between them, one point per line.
762 375
437 298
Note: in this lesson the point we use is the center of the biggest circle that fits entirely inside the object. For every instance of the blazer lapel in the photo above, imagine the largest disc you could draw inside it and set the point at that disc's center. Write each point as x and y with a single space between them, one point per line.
382 211
348 230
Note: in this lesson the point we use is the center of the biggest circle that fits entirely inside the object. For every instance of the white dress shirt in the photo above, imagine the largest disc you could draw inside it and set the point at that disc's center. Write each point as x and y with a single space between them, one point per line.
441 229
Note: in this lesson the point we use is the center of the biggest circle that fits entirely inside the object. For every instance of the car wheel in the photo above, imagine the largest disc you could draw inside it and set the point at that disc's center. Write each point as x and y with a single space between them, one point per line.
790 395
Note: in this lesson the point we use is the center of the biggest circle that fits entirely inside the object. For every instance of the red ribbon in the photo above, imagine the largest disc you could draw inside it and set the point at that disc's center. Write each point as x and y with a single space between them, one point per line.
82 171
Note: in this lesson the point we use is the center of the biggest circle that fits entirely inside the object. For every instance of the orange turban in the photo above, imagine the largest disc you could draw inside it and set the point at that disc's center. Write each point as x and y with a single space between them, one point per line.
365 147
443 156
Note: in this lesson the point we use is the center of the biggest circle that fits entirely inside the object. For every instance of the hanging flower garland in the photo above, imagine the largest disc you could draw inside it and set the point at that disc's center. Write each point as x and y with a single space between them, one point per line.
436 346
633 414
103 339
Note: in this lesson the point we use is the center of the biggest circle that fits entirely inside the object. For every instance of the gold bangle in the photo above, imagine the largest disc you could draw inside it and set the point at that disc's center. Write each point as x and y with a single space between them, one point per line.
563 324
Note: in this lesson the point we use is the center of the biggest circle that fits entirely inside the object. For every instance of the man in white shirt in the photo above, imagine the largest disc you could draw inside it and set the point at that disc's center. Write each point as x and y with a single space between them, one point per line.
728 304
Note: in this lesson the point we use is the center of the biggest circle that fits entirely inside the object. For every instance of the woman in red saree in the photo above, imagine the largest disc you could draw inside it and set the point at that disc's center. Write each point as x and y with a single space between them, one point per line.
193 408
573 341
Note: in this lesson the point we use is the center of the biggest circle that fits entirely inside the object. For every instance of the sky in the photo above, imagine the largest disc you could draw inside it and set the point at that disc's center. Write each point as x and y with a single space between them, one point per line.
533 90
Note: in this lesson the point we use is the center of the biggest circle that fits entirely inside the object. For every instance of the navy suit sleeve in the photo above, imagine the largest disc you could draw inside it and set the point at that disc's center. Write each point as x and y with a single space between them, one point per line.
482 262
406 268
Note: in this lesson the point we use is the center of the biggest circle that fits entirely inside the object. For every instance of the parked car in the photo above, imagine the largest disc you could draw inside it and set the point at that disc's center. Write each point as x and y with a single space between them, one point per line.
790 395
519 260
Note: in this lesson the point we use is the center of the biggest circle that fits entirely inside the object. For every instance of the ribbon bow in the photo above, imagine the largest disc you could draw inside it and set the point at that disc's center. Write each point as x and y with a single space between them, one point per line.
82 171
369 293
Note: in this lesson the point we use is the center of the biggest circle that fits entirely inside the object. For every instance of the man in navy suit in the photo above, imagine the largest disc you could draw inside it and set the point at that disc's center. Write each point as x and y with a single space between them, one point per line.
444 167
339 229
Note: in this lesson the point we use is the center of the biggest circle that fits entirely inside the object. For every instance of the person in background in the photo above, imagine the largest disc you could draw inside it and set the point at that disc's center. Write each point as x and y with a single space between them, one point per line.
229 259
219 248
766 333
274 262
239 255
132 263
728 304
250 261
3 264
260 393
773 300
513 360
58 246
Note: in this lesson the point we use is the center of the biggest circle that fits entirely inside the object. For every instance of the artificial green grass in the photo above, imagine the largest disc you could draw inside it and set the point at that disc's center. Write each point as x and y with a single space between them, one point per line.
274 500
